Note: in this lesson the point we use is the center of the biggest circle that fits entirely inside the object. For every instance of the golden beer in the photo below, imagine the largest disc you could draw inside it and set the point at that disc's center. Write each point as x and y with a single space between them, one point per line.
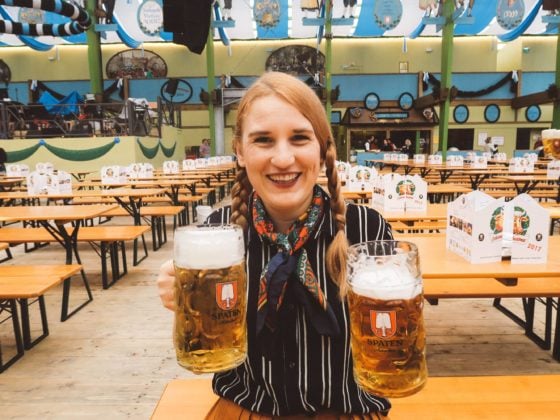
210 331
551 143
388 342
386 322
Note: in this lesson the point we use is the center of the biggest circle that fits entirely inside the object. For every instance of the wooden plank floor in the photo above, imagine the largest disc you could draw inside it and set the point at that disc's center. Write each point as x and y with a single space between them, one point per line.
113 358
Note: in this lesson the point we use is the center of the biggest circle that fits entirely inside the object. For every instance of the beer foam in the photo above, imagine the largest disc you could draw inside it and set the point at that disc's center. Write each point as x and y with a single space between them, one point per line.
385 281
549 134
208 246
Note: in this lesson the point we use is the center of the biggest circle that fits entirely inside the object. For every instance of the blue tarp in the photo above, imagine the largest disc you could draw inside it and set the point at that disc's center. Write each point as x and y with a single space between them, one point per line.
66 106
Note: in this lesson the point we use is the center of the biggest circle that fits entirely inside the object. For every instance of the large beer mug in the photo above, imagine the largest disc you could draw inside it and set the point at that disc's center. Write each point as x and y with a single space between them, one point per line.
210 330
387 327
551 143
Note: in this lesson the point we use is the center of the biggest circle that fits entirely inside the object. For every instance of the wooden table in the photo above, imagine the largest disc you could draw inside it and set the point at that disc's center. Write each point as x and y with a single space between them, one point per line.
443 398
53 219
527 183
438 262
433 212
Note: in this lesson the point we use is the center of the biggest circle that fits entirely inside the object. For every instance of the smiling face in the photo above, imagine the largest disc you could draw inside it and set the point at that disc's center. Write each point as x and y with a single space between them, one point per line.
282 156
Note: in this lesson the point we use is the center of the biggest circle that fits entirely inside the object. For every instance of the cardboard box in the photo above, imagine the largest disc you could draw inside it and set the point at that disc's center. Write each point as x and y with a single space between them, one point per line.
475 223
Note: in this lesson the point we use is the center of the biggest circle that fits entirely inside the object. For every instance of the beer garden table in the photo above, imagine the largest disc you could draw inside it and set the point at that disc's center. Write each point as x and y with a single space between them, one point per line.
53 220
437 261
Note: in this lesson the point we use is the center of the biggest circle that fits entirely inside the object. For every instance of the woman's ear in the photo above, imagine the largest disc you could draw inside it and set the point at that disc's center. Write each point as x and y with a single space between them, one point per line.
240 159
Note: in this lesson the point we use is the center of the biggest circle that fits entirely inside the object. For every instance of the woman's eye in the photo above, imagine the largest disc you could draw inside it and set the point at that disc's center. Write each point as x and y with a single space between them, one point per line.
262 139
300 138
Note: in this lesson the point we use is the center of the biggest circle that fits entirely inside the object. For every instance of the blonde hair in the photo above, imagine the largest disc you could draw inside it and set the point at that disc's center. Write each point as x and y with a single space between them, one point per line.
303 98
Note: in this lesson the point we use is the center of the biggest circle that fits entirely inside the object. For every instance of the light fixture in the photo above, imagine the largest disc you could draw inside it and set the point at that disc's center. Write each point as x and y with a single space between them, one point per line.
526 50
429 50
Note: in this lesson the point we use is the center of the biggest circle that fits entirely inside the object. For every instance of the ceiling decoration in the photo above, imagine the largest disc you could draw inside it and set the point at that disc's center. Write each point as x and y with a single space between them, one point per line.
284 19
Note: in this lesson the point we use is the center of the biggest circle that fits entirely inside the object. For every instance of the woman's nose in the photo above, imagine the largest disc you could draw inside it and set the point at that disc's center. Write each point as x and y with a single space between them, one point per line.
283 156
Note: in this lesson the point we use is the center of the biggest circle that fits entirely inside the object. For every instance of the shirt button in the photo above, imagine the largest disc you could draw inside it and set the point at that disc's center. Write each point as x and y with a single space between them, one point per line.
292 365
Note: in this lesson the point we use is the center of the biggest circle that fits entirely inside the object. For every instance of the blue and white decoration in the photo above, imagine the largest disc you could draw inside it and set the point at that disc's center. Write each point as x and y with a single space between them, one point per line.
150 17
509 13
136 21
388 13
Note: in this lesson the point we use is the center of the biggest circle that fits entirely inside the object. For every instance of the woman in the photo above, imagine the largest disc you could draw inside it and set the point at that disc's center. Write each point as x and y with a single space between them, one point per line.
204 150
407 148
299 360
490 147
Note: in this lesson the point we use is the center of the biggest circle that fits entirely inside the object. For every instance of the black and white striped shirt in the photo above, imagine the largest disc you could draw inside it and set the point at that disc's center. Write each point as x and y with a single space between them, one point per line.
306 372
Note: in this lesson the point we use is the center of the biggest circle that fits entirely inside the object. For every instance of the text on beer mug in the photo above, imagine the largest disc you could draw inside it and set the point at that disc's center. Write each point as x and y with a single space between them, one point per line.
210 331
387 327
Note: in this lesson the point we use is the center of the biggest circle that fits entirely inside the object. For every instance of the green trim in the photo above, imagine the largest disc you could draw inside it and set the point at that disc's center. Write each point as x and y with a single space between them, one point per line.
168 151
80 155
19 155
148 152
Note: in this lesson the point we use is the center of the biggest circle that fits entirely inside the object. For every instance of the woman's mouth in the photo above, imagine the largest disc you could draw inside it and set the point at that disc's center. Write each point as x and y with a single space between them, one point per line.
283 179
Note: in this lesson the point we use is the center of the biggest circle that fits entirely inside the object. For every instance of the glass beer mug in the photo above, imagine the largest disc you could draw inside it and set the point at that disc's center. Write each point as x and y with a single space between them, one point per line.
210 331
387 328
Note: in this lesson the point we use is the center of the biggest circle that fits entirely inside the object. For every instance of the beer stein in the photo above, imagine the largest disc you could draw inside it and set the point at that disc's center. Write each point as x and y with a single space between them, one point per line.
387 328
551 143
210 330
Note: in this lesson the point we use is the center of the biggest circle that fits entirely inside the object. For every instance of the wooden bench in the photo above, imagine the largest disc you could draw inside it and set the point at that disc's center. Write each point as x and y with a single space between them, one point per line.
4 246
111 239
443 398
156 215
19 283
544 290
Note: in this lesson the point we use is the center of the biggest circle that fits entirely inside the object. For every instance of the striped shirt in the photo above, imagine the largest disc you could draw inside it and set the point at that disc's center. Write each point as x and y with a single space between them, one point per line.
306 372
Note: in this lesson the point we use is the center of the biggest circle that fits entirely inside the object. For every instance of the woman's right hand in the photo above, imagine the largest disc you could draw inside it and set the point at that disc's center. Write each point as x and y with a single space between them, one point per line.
165 283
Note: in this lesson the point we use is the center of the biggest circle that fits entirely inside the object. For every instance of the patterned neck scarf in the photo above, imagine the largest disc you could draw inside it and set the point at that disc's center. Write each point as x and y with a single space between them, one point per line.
291 262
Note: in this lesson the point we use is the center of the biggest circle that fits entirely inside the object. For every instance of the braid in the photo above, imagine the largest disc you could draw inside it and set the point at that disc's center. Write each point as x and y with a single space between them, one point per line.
239 196
337 252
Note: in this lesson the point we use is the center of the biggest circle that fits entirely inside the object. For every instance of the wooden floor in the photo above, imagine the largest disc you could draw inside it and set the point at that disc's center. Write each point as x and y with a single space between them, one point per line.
113 358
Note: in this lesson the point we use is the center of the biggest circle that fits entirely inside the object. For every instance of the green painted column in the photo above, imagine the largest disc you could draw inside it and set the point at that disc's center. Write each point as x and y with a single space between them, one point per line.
211 86
556 108
94 52
446 72
417 142
328 58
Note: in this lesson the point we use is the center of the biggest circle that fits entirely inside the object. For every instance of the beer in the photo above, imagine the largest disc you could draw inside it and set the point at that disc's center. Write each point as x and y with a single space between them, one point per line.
386 323
210 333
551 143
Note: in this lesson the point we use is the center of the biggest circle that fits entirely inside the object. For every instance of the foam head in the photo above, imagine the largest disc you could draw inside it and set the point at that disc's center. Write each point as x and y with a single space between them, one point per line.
393 276
208 246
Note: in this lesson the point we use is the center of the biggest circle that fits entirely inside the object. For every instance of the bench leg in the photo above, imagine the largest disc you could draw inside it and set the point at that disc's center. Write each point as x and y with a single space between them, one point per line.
527 323
25 325
556 346
66 297
135 260
8 256
10 306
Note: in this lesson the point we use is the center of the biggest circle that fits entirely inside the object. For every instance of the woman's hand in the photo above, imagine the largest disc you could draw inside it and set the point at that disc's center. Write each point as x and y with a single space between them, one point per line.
165 283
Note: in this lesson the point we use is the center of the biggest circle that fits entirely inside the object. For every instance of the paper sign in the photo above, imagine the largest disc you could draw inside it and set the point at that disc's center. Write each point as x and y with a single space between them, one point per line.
435 160
553 169
419 158
500 157
17 170
523 165
189 165
361 178
454 160
44 167
343 169
530 231
479 162
170 167
396 192
475 227
114 174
